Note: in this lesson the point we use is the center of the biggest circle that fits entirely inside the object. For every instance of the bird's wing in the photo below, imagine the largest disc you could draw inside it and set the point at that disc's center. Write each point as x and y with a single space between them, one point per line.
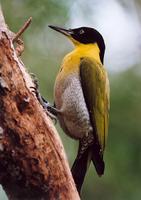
95 87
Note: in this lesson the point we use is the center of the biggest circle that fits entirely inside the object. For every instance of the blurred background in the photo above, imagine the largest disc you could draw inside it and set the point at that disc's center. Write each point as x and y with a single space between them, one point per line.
119 21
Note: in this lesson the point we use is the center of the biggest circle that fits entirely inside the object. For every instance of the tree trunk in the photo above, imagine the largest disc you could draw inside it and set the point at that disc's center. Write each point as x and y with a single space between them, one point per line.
33 163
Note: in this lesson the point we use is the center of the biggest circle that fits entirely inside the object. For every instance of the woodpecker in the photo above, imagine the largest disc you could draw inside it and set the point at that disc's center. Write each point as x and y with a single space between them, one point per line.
81 96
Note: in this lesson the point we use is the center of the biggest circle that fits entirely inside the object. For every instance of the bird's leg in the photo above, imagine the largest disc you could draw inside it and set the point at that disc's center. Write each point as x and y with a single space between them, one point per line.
50 110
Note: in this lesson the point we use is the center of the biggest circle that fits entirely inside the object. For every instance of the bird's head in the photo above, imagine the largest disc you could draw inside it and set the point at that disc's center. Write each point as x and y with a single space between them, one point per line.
83 35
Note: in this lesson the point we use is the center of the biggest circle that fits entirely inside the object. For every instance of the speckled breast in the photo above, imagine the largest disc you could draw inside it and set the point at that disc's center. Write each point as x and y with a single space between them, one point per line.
69 99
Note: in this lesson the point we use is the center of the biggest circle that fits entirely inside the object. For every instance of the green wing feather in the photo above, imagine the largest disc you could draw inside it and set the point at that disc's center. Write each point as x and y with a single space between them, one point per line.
95 87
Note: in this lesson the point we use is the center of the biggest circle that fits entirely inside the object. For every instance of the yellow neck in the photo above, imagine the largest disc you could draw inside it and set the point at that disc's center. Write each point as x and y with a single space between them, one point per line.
88 50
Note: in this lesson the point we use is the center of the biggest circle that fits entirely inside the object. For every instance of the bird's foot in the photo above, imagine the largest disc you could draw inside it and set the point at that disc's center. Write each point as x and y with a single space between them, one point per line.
50 110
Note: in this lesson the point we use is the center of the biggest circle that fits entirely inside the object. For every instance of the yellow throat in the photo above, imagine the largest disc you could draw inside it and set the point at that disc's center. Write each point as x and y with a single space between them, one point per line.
72 60
88 50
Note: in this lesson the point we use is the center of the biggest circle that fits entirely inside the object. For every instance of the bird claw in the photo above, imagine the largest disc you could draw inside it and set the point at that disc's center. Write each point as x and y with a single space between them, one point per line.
50 110
53 117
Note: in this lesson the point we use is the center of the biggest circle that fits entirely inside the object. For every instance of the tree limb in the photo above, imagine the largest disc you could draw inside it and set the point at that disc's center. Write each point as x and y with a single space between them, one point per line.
33 164
24 27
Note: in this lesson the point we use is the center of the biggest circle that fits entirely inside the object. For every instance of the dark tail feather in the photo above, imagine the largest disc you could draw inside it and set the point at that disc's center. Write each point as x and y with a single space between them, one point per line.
97 160
82 163
79 168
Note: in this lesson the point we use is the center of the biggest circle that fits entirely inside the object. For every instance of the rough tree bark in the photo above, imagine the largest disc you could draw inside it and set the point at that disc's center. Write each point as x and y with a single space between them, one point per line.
33 164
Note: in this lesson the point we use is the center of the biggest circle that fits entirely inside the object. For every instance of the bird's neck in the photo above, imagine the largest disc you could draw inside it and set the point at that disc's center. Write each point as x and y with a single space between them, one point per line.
88 50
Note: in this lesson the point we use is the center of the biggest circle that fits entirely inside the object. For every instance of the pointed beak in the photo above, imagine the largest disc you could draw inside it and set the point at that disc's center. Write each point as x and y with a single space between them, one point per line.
66 32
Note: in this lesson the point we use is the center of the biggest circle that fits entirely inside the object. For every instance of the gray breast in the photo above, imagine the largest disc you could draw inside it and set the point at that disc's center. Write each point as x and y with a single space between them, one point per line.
75 118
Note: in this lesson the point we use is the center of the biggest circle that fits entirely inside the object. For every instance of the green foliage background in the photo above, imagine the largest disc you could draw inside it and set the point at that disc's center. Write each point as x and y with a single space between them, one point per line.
44 51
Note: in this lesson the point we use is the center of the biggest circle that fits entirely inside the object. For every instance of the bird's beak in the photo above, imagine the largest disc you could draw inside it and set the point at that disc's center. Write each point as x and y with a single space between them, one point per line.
66 32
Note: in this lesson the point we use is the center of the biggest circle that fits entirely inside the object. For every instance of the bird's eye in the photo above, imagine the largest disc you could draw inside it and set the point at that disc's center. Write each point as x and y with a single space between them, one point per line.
81 31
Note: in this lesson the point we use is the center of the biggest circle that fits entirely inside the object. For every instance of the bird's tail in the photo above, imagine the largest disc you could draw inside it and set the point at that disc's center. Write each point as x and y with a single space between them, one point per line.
79 168
97 159
82 163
